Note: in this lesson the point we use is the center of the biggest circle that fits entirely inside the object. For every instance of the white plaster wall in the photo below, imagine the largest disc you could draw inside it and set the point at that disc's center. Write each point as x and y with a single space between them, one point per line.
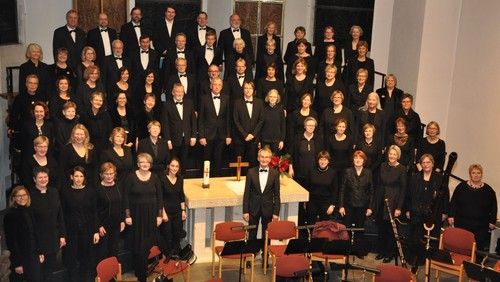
381 37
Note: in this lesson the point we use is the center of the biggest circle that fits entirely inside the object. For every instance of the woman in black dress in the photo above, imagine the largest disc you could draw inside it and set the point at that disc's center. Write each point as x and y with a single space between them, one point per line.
149 112
119 154
65 126
110 213
390 98
89 86
392 187
239 52
98 122
296 118
323 190
473 207
38 126
63 96
270 56
156 147
122 116
340 146
79 207
88 59
50 228
268 35
433 145
372 149
20 237
356 192
331 115
174 208
330 59
61 68
373 114
297 85
351 47
34 65
325 89
307 57
274 123
121 86
142 201
78 152
360 62
358 92
39 159
270 81
405 143
291 47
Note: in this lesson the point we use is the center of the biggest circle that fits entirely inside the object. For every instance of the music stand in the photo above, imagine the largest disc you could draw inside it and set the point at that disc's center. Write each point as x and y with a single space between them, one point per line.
480 273
305 246
240 248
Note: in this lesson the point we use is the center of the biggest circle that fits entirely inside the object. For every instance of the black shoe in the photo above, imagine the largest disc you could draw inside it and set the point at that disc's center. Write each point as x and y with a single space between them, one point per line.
387 259
379 257
414 269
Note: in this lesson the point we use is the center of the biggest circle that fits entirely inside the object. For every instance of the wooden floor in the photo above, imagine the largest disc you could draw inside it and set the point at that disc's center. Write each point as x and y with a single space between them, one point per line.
202 272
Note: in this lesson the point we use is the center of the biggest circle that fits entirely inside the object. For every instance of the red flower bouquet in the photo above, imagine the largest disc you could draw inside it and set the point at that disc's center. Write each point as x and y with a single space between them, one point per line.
281 163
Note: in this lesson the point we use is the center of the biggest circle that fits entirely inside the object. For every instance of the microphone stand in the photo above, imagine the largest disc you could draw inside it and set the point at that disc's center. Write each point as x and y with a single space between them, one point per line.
241 254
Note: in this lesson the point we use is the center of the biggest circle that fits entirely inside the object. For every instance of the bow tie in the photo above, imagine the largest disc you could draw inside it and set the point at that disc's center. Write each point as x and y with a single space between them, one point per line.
210 48
236 30
217 97
71 31
104 30
202 28
181 52
118 58
145 51
262 170
138 26
241 76
182 75
248 102
178 103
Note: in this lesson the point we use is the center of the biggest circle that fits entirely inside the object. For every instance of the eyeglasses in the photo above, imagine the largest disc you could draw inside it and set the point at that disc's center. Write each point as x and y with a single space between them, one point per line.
21 196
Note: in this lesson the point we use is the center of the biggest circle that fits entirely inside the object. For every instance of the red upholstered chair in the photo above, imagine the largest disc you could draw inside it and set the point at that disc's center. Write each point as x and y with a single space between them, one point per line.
215 280
108 269
330 236
278 230
393 273
171 268
462 247
287 265
223 232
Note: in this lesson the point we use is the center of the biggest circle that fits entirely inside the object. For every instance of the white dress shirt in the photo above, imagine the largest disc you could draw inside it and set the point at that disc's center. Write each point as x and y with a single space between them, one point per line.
181 55
249 107
209 54
202 32
119 63
169 27
179 108
216 103
73 34
236 34
144 59
263 175
184 81
241 79
105 40
137 31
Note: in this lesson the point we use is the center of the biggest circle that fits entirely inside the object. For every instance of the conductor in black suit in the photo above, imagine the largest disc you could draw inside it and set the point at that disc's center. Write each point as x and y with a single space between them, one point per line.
71 37
207 55
165 31
179 123
261 199
196 33
101 38
248 120
187 80
132 31
214 124
143 60
228 35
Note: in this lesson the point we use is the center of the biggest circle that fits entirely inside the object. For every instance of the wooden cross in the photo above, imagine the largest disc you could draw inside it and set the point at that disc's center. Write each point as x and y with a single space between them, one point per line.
238 165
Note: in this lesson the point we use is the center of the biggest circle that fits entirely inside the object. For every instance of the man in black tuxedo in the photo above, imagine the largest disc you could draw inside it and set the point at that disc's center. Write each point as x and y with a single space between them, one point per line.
144 59
196 34
187 80
178 51
207 55
166 31
248 120
101 38
70 37
228 35
131 32
214 125
179 124
112 64
261 199
235 82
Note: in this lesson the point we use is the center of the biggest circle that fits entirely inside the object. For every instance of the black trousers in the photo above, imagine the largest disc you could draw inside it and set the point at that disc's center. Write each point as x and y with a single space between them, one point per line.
78 253
109 244
254 220
316 210
387 241
213 152
416 250
181 152
247 150
31 270
48 266
355 215
171 232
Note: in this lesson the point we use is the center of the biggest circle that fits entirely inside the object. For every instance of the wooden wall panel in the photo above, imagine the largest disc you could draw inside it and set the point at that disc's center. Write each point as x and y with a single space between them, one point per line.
117 12
271 12
248 12
88 12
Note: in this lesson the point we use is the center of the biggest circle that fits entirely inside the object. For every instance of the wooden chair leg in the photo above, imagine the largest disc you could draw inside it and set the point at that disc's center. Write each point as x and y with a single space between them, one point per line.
437 275
274 272
213 265
220 267
252 269
461 275
265 262
343 270
187 274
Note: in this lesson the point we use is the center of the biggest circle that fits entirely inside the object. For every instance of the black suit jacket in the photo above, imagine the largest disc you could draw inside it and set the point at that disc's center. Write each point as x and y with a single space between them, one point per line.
202 64
173 127
110 71
138 71
230 65
193 42
95 40
130 41
267 202
191 92
211 125
226 39
244 123
168 66
162 39
235 90
62 38
161 159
